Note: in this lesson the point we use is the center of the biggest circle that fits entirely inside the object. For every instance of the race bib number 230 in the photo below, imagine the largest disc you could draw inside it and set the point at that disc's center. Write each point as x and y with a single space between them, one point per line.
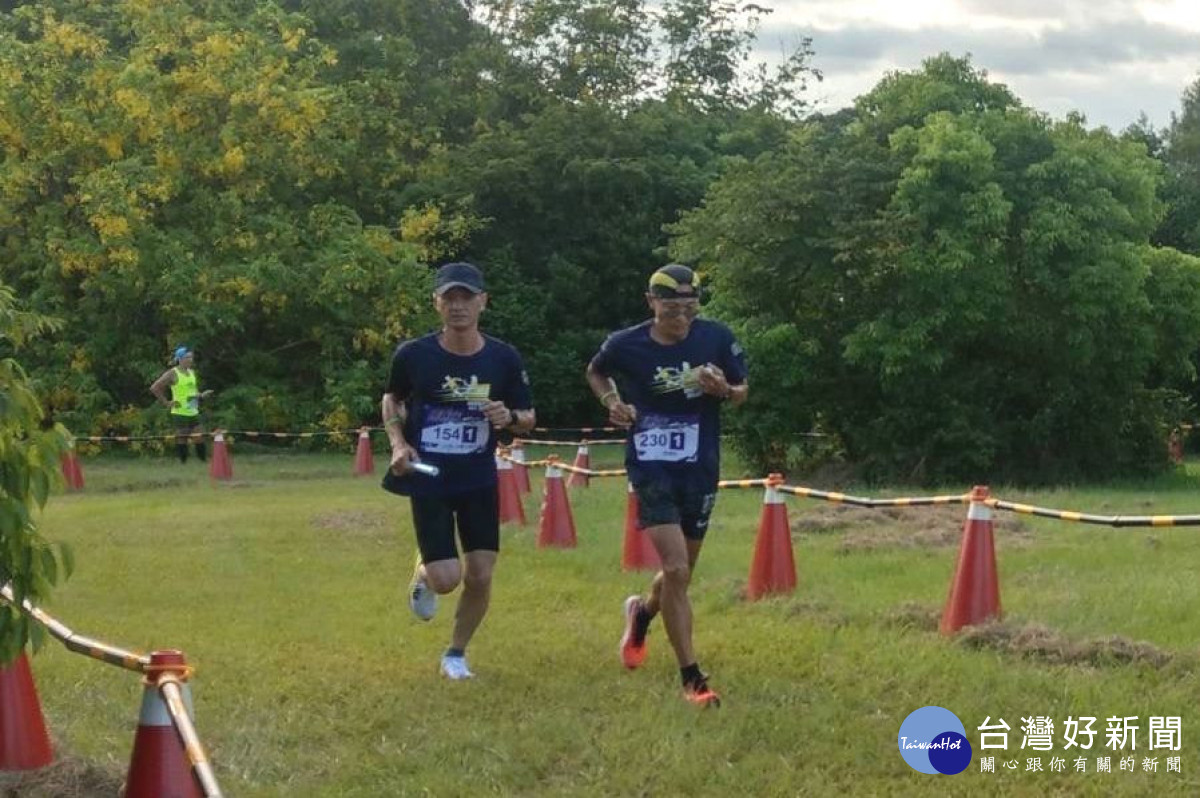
668 439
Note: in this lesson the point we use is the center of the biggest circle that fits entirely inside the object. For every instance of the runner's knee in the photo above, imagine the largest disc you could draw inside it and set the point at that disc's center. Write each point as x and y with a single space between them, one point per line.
443 576
676 574
478 579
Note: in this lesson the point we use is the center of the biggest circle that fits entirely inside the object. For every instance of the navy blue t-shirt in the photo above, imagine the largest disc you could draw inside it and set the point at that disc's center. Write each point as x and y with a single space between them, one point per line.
678 427
444 394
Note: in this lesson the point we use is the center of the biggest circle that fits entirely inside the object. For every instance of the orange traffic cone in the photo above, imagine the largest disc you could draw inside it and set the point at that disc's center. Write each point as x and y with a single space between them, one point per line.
72 473
159 765
24 744
975 591
556 527
774 567
638 552
519 468
220 466
582 460
364 459
511 509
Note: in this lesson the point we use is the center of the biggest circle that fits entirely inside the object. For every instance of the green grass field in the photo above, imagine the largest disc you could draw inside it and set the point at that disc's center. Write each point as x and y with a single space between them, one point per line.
286 589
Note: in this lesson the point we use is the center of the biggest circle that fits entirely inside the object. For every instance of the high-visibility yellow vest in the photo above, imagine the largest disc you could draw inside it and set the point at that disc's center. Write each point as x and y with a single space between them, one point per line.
185 394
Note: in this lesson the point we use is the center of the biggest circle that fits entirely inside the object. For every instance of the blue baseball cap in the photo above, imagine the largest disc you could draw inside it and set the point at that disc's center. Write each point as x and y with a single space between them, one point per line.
458 275
181 353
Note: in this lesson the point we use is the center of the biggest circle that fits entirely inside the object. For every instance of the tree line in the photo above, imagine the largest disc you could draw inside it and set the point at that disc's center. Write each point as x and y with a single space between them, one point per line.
946 282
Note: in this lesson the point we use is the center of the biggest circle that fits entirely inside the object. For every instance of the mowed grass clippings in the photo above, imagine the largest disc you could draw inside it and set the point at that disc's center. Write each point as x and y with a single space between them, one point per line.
286 589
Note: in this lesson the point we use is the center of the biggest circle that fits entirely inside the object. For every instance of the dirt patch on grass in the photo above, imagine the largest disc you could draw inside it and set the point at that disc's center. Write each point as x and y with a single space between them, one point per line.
351 522
1039 642
1035 641
145 484
815 611
300 476
871 528
69 777
911 615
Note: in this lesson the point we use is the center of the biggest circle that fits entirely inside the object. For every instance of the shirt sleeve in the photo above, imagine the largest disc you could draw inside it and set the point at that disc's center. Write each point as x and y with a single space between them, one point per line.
606 360
733 359
400 380
517 394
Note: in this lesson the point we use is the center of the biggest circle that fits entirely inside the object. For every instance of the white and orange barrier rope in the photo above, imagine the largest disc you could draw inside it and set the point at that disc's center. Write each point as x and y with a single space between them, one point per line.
169 682
835 497
252 434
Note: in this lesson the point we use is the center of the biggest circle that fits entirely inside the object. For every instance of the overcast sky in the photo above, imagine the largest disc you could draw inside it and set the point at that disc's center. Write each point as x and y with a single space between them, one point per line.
1109 59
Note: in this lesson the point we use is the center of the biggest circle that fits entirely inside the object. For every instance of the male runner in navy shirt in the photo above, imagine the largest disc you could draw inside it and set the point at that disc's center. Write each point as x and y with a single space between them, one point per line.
675 371
448 394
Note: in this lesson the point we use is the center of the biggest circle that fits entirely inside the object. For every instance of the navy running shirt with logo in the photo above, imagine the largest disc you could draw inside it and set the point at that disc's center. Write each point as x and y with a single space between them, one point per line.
444 394
678 427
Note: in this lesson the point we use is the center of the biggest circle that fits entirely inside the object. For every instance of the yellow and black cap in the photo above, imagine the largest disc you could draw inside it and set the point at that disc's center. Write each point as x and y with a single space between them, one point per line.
675 281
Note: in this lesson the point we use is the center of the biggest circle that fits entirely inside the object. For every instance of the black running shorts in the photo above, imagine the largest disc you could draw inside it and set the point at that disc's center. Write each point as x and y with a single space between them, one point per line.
476 513
666 501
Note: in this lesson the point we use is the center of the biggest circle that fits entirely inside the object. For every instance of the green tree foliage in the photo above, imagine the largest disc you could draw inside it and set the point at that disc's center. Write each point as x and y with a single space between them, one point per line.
267 182
560 282
1181 153
954 286
166 179
640 112
29 454
708 43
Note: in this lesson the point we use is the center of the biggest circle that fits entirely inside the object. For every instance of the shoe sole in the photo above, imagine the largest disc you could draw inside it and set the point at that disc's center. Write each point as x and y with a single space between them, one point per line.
631 605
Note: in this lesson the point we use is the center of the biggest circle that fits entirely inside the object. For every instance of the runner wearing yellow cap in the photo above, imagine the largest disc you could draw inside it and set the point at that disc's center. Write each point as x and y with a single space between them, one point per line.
674 372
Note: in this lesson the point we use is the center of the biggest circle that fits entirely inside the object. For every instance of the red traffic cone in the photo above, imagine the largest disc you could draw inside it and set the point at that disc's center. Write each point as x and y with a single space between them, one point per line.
556 527
638 552
519 468
72 473
364 459
774 567
220 466
24 744
582 460
159 765
511 509
975 591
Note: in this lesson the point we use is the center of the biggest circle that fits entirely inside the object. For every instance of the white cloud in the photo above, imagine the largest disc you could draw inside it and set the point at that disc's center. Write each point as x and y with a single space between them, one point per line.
1110 59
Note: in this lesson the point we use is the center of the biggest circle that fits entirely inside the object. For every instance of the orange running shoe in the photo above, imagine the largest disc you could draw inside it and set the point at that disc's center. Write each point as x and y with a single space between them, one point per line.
633 642
700 694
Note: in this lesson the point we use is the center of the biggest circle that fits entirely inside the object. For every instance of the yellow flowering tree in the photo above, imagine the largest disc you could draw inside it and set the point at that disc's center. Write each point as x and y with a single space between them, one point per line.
29 453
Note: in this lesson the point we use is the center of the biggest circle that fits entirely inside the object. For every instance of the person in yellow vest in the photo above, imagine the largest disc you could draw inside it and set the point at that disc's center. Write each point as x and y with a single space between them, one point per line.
184 402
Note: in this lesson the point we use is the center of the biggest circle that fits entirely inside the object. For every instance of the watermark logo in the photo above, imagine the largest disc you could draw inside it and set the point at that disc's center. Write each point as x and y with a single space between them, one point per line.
934 740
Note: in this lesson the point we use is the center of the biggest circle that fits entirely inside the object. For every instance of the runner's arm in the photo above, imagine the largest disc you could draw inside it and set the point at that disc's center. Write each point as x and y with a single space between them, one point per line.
394 415
160 386
606 392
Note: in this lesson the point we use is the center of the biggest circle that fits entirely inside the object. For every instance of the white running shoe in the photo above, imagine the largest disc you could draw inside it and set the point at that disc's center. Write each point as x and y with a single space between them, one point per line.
455 668
421 600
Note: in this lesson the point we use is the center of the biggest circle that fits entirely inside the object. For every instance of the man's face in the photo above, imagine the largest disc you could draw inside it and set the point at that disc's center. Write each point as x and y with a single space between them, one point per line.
460 307
674 315
185 362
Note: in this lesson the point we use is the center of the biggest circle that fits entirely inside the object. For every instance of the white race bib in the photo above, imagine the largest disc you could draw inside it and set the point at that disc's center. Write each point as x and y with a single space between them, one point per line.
454 431
668 439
